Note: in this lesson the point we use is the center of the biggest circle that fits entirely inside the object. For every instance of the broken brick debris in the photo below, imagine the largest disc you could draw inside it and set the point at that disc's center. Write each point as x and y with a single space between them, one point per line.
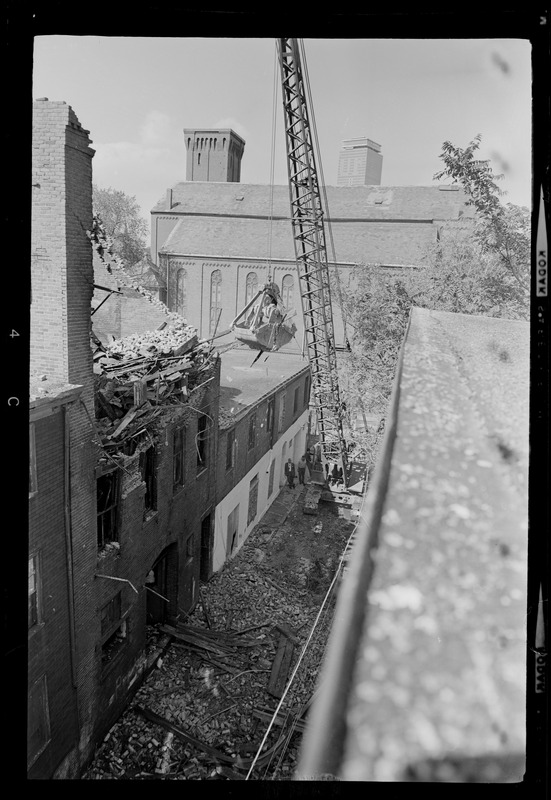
139 375
213 696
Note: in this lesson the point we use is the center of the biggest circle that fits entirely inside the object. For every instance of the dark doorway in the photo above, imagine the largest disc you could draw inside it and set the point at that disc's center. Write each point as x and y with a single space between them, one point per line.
205 568
161 587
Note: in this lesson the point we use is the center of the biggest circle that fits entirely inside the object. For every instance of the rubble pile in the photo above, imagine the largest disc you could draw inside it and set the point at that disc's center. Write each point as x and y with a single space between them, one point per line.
203 713
137 376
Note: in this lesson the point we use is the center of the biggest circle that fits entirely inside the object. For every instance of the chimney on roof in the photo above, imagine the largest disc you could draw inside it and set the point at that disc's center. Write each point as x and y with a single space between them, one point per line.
213 155
168 199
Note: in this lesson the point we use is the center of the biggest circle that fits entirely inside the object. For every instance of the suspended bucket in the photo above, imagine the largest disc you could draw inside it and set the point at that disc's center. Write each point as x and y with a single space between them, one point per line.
264 323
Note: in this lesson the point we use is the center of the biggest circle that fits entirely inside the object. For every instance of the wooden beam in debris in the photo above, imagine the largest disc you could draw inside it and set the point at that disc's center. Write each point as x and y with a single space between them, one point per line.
184 736
280 666
126 420
280 719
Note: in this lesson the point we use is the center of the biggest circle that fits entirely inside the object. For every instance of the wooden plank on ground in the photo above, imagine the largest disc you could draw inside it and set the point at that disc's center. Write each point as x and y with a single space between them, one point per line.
217 649
298 724
280 666
181 734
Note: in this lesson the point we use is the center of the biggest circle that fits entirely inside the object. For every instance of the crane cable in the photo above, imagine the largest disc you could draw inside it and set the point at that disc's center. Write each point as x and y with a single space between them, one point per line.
323 187
272 164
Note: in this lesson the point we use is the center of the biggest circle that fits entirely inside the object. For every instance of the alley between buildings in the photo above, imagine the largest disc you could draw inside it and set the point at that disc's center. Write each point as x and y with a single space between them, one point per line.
221 673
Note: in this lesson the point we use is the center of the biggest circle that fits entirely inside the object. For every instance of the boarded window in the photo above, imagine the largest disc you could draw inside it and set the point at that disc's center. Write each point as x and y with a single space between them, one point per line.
107 500
38 720
271 479
34 591
111 614
252 431
251 286
281 418
181 292
113 629
270 417
178 452
253 500
230 449
202 441
33 485
215 300
295 400
147 468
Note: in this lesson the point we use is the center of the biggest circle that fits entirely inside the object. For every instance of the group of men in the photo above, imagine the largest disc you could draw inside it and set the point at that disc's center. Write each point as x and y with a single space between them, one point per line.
334 476
302 466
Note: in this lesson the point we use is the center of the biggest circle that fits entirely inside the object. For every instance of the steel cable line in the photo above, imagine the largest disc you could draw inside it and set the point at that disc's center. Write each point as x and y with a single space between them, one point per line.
272 164
306 645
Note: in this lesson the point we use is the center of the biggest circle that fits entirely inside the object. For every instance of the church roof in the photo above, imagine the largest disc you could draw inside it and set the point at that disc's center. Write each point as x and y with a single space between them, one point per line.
344 202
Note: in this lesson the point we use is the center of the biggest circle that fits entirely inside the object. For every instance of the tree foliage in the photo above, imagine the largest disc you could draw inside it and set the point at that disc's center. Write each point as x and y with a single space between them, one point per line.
478 265
122 222
501 230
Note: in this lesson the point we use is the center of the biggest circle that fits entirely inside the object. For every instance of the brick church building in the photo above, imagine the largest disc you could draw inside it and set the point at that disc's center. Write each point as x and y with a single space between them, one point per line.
215 240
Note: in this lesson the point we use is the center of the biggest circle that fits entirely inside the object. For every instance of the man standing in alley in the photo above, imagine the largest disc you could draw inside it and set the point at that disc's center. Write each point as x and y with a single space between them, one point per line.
302 469
290 474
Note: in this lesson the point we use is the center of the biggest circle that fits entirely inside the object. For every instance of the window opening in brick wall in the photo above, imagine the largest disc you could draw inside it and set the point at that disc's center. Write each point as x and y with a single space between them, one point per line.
270 417
147 468
252 431
251 286
33 484
107 500
253 500
178 452
215 298
271 479
38 720
202 441
113 629
181 292
230 449
295 400
34 590
205 563
232 531
281 418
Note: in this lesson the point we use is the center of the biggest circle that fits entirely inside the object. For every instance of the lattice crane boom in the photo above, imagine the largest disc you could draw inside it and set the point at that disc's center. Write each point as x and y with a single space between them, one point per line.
307 219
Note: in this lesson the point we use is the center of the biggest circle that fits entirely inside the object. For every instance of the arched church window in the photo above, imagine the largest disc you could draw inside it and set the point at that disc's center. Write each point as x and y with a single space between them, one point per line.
181 292
287 285
215 298
251 286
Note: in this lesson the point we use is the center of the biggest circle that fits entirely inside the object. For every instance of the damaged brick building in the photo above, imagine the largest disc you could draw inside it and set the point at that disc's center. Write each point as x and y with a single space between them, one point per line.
122 473
129 484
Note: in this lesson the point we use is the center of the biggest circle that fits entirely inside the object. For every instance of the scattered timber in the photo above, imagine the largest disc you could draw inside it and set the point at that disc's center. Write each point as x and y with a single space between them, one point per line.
280 666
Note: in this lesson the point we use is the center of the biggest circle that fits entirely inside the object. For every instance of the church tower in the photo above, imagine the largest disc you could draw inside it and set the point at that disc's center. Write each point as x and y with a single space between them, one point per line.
213 155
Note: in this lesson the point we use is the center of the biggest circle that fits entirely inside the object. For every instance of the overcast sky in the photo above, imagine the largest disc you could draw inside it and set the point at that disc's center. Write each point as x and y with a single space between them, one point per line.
136 95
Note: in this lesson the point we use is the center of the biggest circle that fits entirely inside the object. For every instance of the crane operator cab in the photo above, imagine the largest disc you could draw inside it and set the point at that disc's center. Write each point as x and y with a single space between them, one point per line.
264 324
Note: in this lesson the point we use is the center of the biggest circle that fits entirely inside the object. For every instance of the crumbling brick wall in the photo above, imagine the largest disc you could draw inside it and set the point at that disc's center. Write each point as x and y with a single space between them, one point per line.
62 285
50 656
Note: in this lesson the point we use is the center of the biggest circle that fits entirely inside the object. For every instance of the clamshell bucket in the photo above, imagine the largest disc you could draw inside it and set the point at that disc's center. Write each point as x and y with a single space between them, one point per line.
264 323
